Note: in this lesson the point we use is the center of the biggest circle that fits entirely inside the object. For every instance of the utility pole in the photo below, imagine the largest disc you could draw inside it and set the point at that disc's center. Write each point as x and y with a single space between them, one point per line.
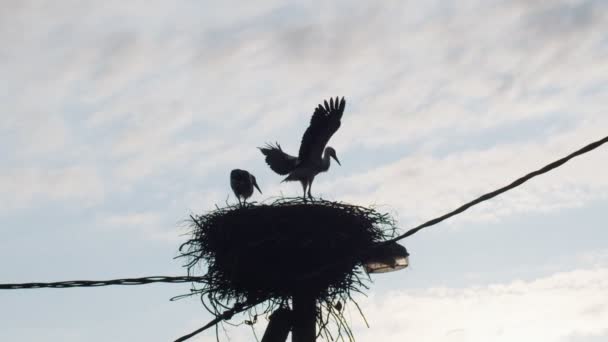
304 318
279 325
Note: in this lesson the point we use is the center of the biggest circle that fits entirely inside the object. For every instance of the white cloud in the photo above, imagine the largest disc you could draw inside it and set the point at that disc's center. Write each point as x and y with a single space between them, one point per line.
551 309
596 258
148 98
410 72
22 187
151 225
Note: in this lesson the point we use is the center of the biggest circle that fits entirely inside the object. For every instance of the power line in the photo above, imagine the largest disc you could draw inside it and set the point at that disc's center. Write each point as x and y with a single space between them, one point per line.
226 315
213 322
97 283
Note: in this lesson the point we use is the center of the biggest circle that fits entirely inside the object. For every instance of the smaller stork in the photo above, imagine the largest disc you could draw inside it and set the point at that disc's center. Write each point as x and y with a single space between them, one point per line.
242 183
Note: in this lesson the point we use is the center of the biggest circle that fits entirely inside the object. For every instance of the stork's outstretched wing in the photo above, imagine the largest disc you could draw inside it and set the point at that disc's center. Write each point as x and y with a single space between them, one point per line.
324 123
279 161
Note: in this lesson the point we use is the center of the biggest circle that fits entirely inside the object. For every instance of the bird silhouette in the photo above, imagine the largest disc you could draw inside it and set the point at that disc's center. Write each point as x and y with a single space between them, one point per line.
313 157
242 183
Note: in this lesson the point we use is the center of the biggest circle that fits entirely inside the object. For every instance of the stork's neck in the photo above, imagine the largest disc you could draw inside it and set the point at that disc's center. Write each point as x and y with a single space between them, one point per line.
325 161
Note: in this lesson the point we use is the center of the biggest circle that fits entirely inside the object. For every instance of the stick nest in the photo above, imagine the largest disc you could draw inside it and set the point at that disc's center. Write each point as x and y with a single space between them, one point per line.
272 251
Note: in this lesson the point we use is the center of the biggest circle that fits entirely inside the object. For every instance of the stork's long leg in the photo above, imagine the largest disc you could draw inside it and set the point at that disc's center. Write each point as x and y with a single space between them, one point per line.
309 187
303 182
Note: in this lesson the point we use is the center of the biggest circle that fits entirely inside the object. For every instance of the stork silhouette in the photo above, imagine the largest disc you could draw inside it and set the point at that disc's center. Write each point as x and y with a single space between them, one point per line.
313 157
242 183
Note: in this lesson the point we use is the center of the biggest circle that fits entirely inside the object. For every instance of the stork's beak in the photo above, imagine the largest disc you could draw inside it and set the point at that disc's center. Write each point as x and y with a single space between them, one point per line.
256 186
336 159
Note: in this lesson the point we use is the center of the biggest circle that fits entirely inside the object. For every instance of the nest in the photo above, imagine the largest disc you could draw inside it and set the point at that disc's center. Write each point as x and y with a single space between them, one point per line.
271 252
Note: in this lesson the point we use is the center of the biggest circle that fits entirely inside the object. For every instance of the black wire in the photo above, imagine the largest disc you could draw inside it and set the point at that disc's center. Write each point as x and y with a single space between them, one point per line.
226 315
213 322
97 283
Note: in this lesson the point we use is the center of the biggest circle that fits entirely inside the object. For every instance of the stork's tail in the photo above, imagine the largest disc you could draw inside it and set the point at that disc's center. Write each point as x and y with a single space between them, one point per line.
292 177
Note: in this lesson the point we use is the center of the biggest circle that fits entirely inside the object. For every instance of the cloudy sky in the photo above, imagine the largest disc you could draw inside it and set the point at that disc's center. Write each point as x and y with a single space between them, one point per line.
120 118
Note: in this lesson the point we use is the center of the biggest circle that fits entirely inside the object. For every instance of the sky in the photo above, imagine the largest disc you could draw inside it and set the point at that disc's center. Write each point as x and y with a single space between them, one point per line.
118 119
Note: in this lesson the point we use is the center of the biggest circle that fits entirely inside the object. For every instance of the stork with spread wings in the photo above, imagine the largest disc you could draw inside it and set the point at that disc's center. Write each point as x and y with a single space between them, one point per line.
313 157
